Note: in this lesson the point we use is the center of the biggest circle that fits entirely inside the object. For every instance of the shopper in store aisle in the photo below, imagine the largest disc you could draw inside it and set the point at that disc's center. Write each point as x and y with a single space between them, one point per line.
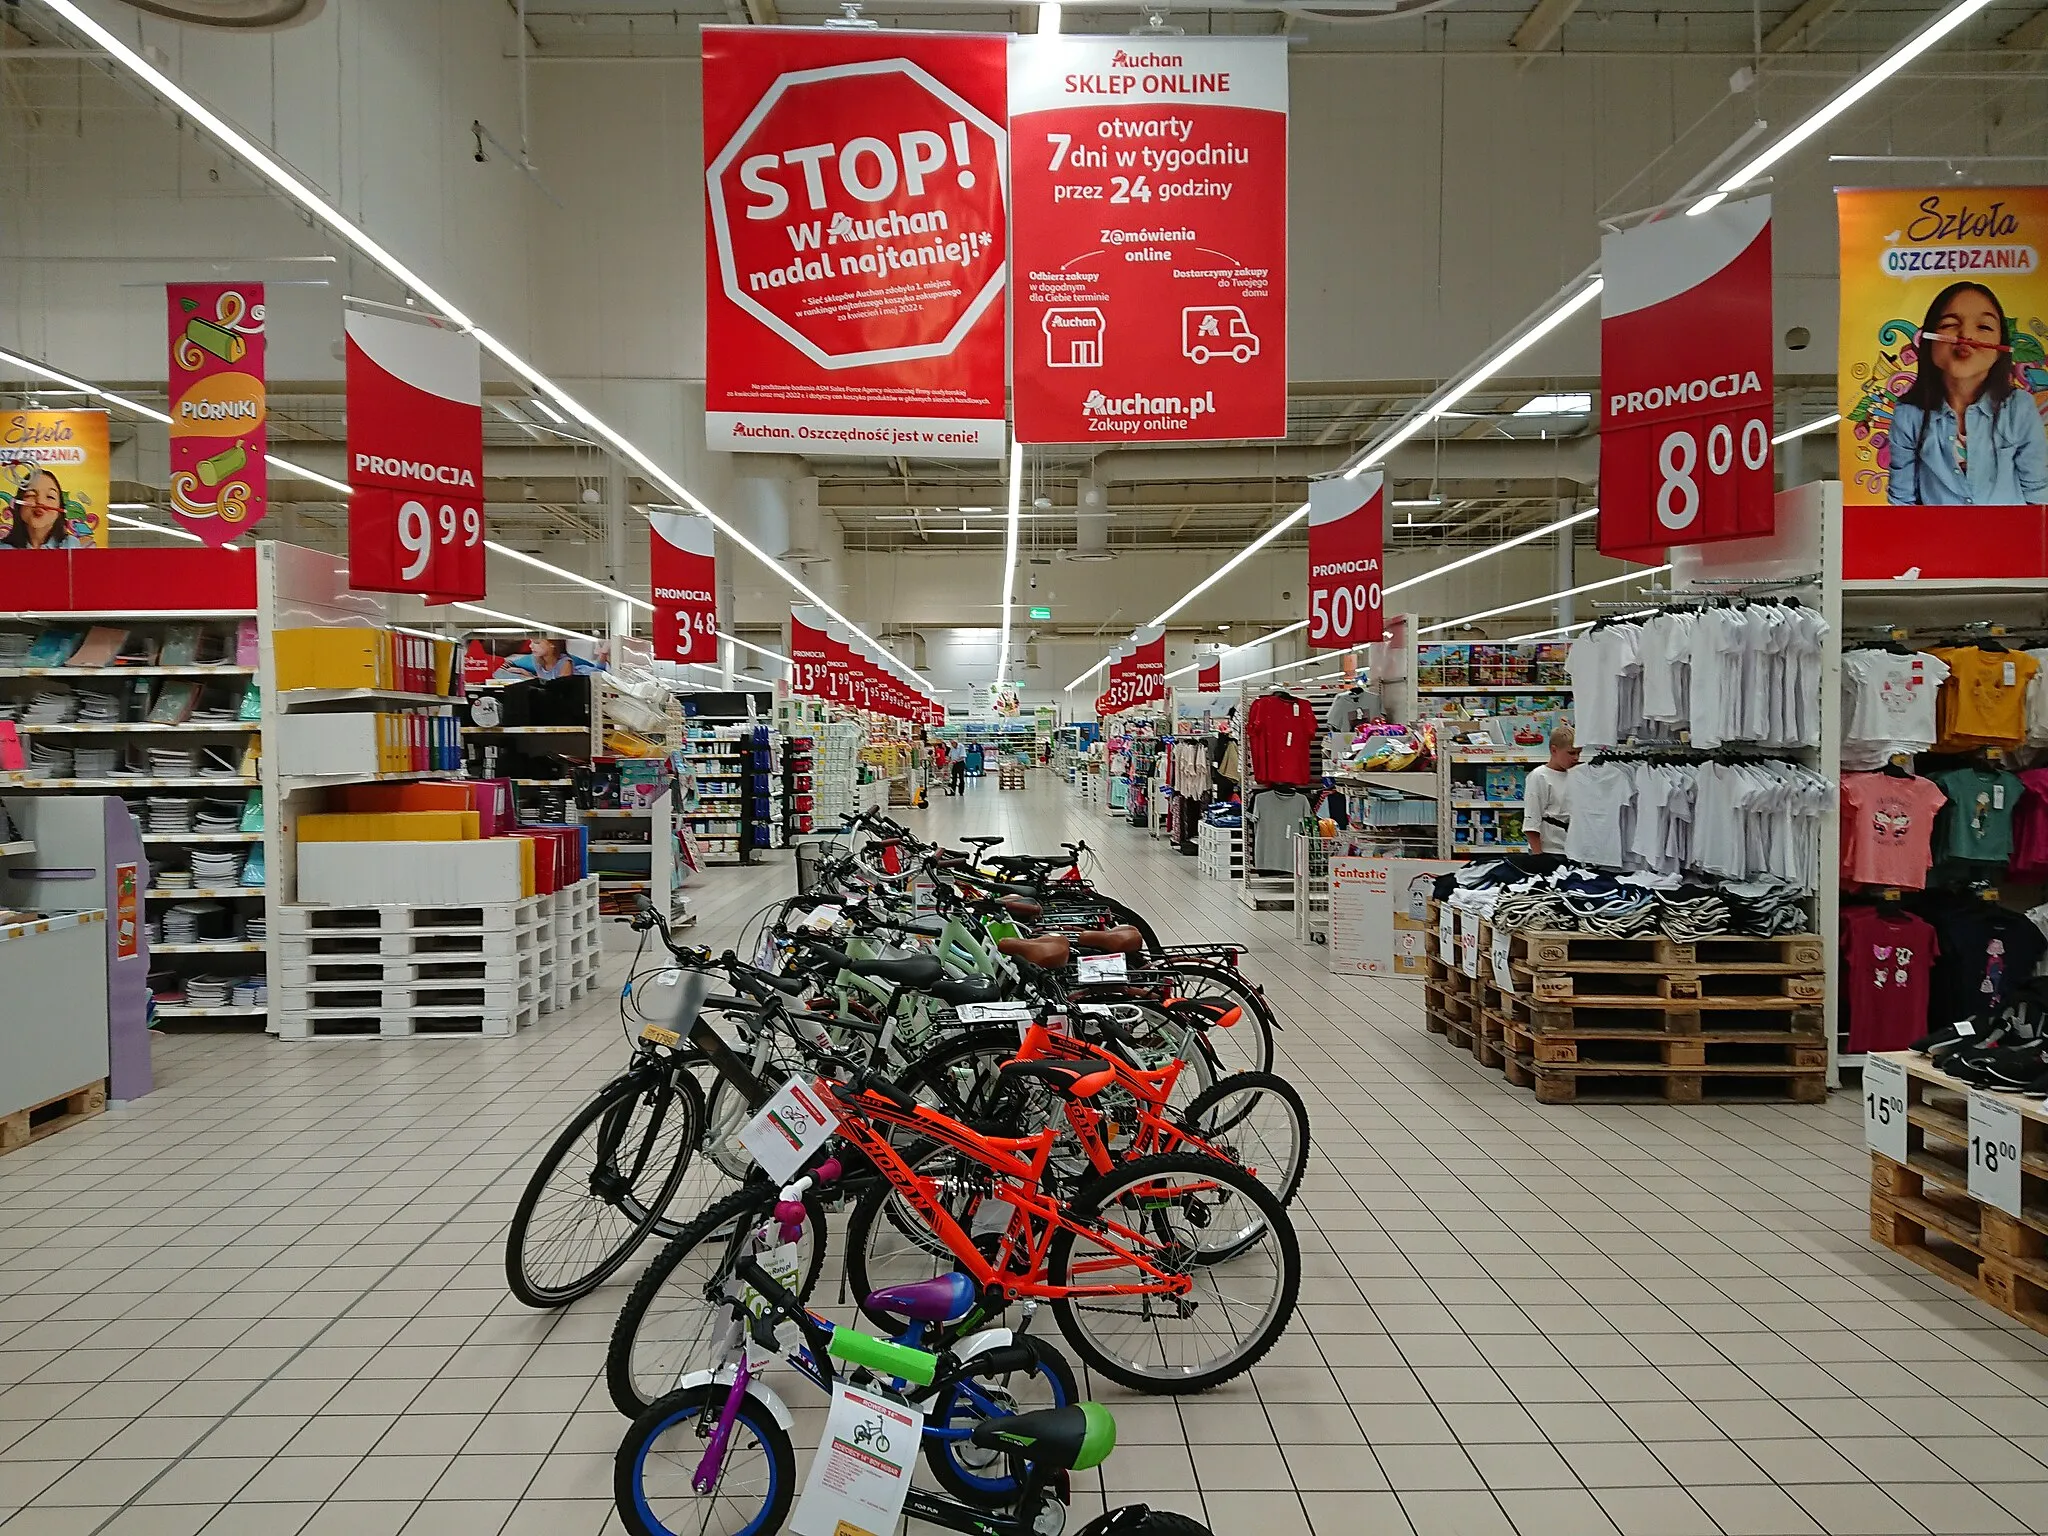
1547 796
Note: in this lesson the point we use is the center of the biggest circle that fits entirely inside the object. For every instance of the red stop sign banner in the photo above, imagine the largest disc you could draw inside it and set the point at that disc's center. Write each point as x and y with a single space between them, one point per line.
857 241
1346 550
1150 179
1685 381
682 561
415 458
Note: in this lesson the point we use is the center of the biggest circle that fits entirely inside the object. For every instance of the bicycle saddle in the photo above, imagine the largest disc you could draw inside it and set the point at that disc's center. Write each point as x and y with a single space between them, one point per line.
1067 1081
911 971
942 1299
1024 907
969 989
1071 1439
1048 953
1110 941
978 843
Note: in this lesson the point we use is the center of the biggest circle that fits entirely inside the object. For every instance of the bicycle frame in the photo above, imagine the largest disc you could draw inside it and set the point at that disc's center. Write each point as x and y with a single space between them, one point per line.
1019 1165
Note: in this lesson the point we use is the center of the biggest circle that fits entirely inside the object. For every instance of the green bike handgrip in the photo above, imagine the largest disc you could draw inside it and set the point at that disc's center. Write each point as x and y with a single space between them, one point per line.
898 1360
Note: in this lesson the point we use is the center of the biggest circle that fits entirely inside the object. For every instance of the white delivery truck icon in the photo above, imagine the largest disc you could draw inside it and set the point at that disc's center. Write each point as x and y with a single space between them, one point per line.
1215 331
1073 337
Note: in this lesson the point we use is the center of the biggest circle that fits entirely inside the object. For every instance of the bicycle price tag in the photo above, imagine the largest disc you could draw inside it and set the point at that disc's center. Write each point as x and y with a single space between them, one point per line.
821 919
1884 1107
1995 1152
792 1125
1497 959
861 1474
993 1013
1101 967
768 954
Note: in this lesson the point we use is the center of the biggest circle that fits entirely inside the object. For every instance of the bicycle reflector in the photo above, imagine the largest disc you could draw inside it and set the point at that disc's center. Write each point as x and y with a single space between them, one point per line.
892 860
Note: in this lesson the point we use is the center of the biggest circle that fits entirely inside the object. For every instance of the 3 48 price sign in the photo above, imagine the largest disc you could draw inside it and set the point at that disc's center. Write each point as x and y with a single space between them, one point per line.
695 636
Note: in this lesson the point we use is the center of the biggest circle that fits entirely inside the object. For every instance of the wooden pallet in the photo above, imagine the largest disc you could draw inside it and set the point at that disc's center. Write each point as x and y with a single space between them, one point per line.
1571 1083
1552 950
2001 1261
1618 979
52 1115
1451 1003
1489 1047
1666 1015
1657 1047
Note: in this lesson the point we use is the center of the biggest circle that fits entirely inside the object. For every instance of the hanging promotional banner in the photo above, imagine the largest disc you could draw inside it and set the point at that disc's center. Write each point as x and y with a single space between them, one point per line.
856 232
415 457
682 566
1347 536
1150 185
220 419
1209 673
54 471
1943 382
842 666
1685 381
1137 677
810 667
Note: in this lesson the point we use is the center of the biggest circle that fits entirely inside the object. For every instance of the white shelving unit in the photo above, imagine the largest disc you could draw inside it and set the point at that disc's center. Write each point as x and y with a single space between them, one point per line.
665 871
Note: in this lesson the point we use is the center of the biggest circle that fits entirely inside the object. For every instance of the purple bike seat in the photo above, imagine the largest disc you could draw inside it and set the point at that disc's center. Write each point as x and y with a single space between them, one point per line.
941 1299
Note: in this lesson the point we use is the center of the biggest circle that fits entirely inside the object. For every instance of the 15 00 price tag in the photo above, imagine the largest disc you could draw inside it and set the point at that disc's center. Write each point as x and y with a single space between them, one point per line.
1995 1152
1884 1108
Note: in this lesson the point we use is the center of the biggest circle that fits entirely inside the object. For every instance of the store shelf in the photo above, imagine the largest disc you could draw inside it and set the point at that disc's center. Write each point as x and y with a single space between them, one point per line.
1489 847
565 784
526 730
293 697
1487 805
212 947
30 781
292 781
151 615
182 1011
118 671
606 810
51 924
622 848
202 893
82 728
182 838
1493 688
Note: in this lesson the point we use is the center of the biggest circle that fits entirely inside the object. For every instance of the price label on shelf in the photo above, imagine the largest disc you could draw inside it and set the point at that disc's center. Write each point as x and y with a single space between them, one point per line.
1995 1145
1884 1107
1447 935
1497 959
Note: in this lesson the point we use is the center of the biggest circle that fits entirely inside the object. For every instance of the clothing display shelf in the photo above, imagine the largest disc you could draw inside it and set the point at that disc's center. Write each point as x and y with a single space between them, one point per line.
158 710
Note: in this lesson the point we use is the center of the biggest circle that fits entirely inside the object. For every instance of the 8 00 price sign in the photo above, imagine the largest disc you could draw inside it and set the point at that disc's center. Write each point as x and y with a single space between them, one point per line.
1698 480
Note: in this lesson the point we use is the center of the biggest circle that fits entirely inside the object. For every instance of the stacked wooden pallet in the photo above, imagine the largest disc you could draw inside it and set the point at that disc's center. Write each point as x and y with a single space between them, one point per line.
1684 1021
1453 1002
398 971
1922 1207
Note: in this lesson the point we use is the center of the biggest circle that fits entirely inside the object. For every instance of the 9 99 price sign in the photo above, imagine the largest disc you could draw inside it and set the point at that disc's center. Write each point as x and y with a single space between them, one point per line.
682 560
415 458
1685 381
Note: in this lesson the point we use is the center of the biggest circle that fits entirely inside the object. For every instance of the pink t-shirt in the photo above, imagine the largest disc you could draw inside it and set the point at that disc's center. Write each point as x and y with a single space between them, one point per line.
1887 828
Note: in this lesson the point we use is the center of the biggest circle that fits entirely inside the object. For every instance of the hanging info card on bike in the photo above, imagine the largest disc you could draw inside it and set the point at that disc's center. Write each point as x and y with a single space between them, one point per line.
861 1473
1101 967
790 1127
993 1013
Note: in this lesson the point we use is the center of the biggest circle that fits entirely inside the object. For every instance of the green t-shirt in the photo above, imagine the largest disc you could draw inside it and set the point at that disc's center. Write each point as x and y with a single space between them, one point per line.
1978 820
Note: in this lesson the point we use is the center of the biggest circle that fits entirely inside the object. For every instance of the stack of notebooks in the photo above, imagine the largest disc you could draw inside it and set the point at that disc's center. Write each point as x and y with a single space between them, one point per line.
14 644
51 705
220 762
255 928
217 816
99 707
209 991
195 922
97 762
252 992
164 817
50 762
172 762
216 866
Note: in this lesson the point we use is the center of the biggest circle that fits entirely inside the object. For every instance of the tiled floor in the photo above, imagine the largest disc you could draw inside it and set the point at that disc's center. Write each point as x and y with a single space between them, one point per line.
268 1299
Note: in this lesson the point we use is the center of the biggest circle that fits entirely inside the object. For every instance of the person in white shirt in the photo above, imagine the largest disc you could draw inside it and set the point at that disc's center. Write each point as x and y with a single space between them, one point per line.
1546 799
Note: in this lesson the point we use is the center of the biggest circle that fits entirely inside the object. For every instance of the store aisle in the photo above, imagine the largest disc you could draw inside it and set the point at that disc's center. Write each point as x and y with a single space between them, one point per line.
269 1299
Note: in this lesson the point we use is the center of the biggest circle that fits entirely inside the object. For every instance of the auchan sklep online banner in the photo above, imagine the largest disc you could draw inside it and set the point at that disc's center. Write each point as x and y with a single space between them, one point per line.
856 225
1149 180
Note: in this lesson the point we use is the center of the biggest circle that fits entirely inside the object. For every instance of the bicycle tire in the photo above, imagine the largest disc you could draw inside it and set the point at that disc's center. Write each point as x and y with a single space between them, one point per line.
614 1240
678 1413
1142 1520
970 1483
627 1359
1120 1191
1218 1126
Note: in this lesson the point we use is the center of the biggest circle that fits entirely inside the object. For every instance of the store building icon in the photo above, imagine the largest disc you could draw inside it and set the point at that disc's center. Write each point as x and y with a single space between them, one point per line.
1073 337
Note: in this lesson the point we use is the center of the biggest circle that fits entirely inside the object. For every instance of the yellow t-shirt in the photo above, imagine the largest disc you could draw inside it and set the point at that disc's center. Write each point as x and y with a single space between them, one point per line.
1984 701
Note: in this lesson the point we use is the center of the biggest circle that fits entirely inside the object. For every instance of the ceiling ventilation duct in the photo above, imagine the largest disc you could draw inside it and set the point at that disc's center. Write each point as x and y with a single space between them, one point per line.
244 14
1091 522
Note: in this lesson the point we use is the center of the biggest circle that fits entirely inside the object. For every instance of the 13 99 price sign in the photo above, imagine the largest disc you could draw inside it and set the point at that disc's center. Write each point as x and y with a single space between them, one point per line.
400 542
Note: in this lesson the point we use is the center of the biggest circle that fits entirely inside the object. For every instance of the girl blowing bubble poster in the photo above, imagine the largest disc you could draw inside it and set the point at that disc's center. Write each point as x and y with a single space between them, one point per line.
1943 382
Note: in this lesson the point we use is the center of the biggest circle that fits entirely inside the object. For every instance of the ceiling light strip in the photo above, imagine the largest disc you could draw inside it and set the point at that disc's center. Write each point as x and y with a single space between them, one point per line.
275 173
523 622
1548 597
169 533
1490 551
1920 42
1812 426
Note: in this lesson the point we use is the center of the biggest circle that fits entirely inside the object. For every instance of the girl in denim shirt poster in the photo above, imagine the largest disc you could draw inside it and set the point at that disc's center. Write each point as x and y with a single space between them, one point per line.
1966 433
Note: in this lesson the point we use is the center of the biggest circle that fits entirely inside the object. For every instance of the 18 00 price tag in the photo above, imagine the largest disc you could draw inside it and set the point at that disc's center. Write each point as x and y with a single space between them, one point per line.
1995 1152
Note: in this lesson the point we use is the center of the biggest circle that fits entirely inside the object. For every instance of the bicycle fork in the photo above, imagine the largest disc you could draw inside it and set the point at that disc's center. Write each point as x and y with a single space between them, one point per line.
712 1463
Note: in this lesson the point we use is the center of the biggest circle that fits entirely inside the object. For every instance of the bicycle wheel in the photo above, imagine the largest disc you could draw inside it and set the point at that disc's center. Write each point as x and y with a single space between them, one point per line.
664 1448
1259 1122
1247 1045
602 1186
666 1326
972 1473
1156 1209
